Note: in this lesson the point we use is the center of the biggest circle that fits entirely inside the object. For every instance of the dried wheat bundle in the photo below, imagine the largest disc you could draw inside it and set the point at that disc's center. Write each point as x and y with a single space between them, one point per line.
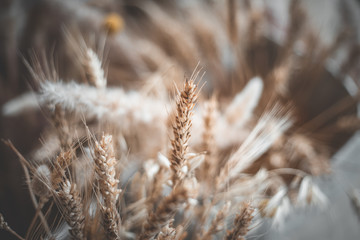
137 151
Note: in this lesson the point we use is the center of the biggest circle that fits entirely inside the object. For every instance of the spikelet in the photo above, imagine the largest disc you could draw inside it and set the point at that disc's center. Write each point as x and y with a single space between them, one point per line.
181 129
107 184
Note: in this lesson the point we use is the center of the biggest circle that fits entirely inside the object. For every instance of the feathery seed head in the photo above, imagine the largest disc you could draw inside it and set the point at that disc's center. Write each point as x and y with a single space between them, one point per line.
93 69
181 129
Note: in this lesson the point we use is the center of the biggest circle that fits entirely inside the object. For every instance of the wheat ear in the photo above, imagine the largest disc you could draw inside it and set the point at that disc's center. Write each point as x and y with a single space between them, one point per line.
164 213
62 162
209 167
107 184
242 222
181 129
93 69
70 202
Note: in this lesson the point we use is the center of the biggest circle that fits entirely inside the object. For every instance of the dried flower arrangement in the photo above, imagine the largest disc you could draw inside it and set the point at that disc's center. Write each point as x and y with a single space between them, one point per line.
158 156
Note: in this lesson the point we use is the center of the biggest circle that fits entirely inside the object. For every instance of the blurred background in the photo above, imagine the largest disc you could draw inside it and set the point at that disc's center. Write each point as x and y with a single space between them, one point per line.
37 26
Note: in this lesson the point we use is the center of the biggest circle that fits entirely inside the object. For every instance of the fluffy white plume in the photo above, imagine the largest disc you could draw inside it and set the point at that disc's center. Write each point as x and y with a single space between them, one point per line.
18 105
112 104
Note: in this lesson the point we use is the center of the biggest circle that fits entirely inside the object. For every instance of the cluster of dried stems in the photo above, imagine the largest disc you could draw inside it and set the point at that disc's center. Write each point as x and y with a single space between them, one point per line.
135 161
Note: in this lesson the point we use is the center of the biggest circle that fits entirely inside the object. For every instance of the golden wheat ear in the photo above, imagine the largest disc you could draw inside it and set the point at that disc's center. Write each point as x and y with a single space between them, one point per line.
107 183
185 103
